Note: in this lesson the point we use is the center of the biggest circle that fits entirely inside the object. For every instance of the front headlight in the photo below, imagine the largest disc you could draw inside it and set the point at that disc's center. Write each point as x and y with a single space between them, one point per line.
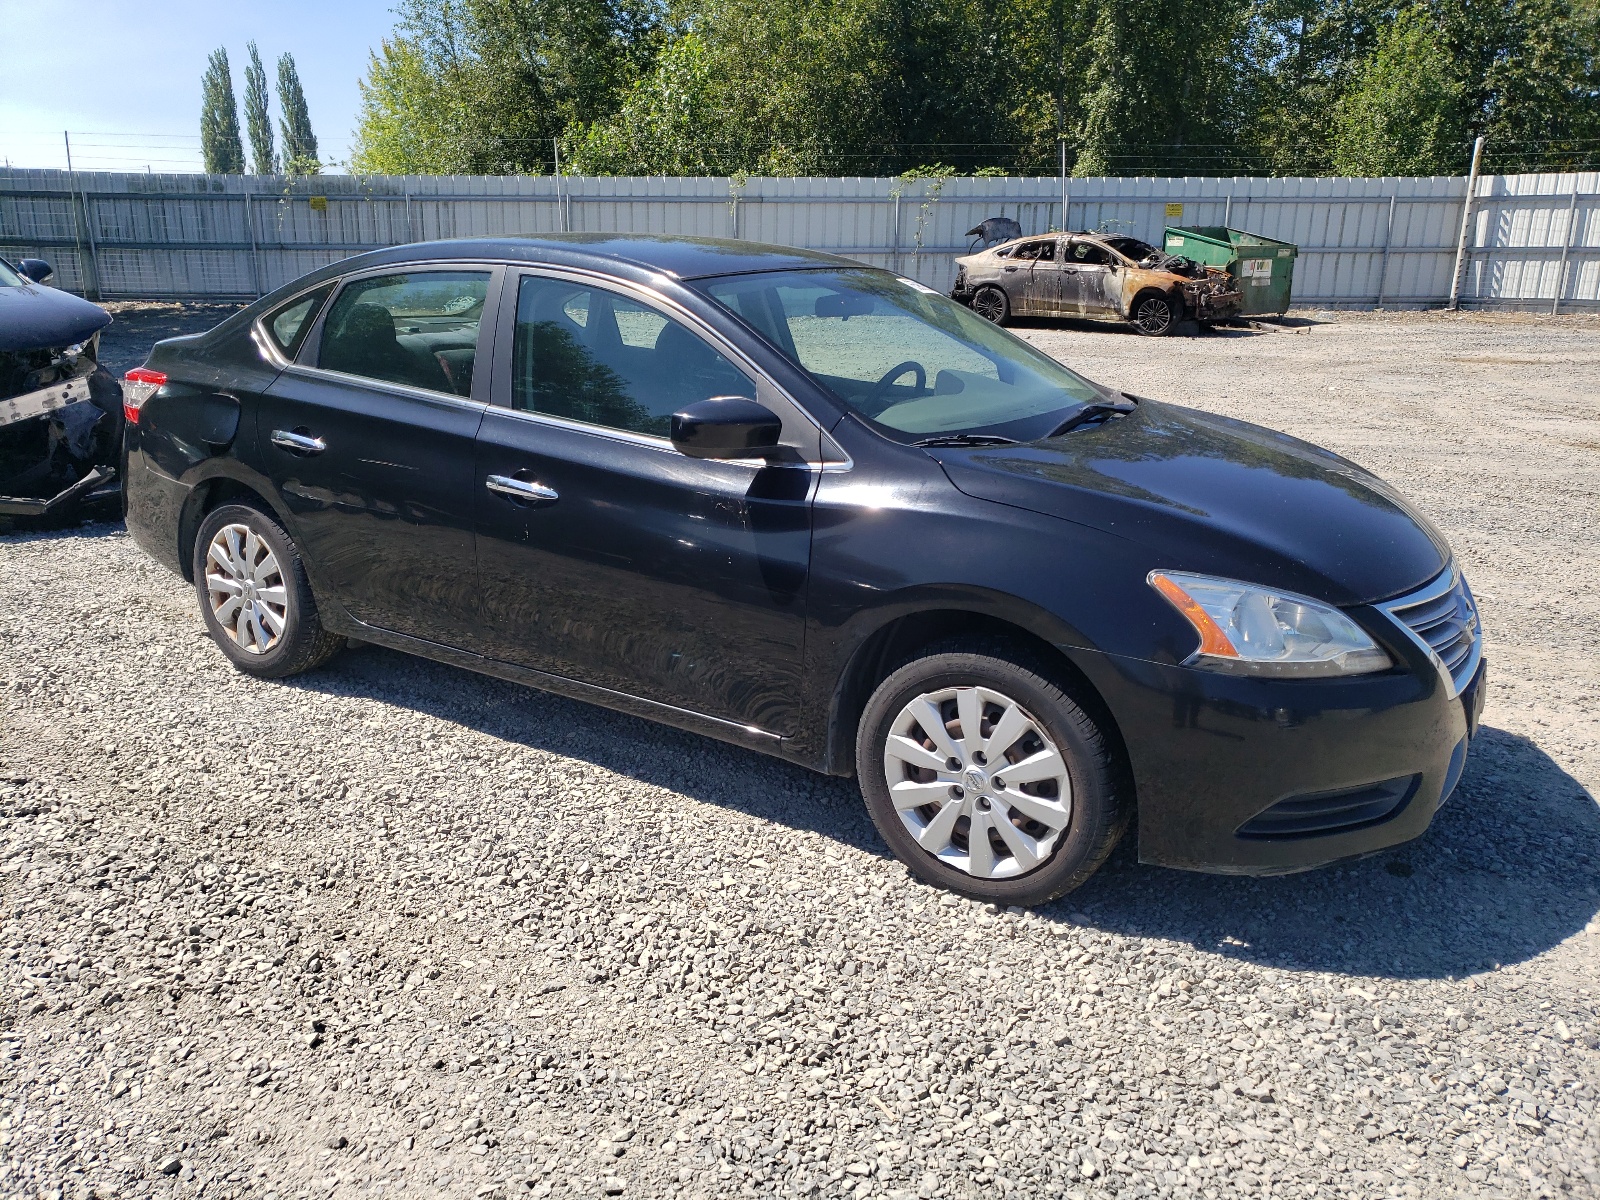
1248 630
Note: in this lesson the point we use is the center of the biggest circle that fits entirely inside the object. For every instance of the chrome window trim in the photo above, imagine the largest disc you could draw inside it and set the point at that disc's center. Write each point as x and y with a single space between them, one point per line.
264 340
697 325
404 389
650 441
1441 585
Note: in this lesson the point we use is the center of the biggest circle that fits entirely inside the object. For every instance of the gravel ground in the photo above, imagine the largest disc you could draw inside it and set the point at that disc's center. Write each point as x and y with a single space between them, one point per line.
396 929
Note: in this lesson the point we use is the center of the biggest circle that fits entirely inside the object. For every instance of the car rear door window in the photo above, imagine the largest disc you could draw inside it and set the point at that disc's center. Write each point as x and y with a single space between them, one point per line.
419 328
592 355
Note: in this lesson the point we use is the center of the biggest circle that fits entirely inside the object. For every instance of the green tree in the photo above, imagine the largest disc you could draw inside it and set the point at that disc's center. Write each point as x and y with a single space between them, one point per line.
219 119
299 143
1404 113
1531 70
669 123
1164 88
504 78
263 153
410 121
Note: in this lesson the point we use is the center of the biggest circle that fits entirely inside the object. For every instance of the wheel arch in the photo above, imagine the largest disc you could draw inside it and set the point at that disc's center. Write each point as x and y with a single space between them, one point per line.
207 495
897 638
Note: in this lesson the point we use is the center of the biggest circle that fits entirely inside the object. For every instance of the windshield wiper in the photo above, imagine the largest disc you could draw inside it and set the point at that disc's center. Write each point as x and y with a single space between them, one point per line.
968 439
1091 412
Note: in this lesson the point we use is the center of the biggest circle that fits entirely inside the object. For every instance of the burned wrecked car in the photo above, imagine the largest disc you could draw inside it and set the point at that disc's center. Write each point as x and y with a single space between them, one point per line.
60 410
1105 277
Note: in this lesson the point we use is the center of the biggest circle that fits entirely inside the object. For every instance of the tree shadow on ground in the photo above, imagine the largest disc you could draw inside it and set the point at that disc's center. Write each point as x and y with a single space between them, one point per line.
1509 868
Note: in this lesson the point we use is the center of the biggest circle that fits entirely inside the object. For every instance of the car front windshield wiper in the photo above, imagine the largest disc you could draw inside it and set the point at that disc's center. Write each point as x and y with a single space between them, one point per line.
1100 408
968 439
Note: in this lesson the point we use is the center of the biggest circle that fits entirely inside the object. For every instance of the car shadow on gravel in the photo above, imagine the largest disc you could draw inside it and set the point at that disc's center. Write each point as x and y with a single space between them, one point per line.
657 755
1509 869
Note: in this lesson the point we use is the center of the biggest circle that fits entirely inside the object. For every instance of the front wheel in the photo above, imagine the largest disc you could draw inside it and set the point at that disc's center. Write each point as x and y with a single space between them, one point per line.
986 778
1156 315
991 304
254 595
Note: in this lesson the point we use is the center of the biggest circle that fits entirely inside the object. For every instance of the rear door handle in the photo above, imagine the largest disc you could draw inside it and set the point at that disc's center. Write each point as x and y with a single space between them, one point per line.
520 489
300 443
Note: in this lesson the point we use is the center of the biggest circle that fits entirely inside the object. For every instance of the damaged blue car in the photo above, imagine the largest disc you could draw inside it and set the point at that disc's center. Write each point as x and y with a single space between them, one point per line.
60 409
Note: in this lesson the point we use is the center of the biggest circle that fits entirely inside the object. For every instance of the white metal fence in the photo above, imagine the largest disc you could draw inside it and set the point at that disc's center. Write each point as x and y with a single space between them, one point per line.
1534 239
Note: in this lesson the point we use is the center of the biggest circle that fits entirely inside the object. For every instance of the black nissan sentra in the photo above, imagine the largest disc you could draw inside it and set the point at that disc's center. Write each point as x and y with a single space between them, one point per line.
821 511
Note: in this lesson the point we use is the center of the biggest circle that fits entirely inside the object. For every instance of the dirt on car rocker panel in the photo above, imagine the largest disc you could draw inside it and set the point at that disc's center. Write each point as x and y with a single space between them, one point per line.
60 409
1095 276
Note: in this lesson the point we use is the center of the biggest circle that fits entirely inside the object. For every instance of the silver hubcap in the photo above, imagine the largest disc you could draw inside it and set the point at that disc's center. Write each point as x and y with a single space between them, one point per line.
246 586
977 781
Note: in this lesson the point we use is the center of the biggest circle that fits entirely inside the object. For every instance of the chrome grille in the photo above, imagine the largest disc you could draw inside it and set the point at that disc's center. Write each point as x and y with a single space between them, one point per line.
1442 618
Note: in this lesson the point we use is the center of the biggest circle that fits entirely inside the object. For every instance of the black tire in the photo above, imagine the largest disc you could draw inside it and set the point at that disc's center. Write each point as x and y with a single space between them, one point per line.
302 644
1099 810
992 304
1156 314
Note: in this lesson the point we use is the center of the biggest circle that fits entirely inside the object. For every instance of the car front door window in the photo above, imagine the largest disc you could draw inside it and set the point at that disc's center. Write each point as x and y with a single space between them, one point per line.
591 355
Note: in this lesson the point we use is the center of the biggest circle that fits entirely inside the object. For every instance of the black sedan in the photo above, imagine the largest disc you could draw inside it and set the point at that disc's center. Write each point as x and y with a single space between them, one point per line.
821 511
60 410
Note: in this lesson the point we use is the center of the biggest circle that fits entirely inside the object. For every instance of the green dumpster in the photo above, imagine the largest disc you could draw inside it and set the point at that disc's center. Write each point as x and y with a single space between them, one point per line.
1263 267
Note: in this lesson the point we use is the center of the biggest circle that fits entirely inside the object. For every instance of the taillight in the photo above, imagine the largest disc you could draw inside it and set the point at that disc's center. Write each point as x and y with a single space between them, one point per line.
138 385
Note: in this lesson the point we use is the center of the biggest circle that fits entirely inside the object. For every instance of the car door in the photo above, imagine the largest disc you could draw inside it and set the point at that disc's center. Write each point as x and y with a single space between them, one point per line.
1043 285
608 557
1094 282
369 438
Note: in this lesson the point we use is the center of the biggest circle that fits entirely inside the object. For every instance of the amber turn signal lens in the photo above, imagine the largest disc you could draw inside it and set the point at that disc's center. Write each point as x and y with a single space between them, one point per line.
1212 640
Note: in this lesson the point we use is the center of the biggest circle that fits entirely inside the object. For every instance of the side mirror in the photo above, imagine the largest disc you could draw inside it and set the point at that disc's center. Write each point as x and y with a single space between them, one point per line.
35 269
726 427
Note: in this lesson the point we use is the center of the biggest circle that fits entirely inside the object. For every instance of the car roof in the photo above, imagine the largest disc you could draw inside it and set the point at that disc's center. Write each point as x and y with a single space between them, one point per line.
679 256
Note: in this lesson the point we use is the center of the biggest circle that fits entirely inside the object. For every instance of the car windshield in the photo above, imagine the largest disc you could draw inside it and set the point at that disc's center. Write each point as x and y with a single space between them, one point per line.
915 363
10 278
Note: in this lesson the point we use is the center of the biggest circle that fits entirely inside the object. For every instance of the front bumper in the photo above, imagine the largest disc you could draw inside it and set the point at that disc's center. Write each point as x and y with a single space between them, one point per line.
60 444
1205 305
1211 755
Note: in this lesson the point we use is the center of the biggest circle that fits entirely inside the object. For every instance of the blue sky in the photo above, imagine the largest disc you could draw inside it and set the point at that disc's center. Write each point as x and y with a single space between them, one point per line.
124 75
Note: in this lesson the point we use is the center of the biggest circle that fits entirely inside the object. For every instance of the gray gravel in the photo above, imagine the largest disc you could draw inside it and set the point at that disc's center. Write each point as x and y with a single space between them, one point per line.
395 929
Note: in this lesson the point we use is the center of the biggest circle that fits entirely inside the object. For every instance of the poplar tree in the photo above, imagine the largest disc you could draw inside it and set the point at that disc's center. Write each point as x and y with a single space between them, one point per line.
263 153
219 119
299 143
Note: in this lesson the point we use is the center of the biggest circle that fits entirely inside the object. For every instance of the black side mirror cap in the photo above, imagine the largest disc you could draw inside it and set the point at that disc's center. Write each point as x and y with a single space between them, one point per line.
726 427
35 269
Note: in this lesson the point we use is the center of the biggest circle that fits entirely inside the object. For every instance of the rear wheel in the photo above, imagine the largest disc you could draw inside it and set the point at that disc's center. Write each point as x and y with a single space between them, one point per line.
991 304
254 596
1156 315
986 778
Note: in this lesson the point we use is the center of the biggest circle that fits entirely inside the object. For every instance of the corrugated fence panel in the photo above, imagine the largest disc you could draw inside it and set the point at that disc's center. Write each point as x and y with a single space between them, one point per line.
1534 239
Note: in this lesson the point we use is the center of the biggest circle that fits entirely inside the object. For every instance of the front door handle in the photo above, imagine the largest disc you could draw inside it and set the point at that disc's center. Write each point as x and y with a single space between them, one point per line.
520 489
300 443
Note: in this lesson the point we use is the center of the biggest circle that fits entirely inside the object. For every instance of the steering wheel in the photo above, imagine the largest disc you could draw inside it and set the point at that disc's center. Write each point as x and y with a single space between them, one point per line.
881 388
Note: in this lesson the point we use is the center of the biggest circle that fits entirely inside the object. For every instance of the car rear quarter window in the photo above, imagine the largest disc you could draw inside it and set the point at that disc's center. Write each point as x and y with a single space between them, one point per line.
592 355
419 328
288 326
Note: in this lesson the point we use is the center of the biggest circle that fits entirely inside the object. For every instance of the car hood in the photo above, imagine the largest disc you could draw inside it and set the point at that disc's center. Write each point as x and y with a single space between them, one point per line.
1218 496
36 317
